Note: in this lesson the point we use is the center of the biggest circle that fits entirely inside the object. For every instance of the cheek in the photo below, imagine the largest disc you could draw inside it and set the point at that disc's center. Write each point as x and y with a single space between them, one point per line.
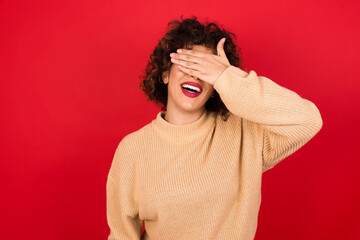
176 72
210 90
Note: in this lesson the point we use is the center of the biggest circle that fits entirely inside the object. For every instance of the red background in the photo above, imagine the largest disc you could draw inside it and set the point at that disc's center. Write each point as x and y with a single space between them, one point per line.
69 74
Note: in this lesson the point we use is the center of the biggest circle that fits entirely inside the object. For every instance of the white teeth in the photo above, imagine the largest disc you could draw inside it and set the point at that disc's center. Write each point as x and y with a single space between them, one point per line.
191 87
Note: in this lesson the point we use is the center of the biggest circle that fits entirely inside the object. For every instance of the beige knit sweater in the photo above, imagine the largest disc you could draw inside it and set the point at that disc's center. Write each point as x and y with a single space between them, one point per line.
202 180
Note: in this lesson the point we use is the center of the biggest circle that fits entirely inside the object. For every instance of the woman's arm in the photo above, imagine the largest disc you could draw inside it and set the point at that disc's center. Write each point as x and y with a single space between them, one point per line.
122 209
287 120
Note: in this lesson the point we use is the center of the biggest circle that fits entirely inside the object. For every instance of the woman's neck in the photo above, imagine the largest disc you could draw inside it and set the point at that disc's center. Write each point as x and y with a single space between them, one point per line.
183 117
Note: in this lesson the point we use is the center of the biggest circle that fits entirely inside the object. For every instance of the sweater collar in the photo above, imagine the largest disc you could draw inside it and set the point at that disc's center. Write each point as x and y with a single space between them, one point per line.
185 132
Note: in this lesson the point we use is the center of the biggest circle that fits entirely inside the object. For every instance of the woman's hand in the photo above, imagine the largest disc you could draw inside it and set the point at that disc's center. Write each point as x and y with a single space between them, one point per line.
205 66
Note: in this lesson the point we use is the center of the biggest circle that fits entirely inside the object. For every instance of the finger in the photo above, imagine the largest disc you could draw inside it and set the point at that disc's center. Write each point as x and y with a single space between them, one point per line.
186 57
190 52
220 47
187 64
189 71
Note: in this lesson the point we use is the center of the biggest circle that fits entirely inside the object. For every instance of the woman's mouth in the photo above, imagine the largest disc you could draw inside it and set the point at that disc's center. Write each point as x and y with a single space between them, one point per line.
191 89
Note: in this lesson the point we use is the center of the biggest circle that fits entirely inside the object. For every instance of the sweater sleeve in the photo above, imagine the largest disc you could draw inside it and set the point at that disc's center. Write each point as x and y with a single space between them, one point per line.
286 120
122 209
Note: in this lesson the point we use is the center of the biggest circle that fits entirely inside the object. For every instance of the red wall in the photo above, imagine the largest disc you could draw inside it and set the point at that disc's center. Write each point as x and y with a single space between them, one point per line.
69 73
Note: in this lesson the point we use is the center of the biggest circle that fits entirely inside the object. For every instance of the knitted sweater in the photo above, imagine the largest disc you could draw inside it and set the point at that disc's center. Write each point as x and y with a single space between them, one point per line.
202 180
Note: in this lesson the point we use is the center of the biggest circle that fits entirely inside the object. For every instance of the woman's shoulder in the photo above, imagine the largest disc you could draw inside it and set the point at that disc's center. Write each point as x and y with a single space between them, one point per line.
135 137
228 121
234 122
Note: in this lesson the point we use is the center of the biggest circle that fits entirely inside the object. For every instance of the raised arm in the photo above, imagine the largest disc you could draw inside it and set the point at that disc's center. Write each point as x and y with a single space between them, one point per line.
287 120
121 206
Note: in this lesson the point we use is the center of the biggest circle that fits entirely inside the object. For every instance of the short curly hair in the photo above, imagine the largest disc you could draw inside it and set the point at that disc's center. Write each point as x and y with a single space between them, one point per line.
184 34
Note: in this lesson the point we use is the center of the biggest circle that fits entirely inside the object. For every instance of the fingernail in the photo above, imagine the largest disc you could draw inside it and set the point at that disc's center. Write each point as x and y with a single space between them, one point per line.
179 51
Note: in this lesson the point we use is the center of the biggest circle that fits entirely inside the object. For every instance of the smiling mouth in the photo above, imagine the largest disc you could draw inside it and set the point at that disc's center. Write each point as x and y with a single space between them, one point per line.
190 88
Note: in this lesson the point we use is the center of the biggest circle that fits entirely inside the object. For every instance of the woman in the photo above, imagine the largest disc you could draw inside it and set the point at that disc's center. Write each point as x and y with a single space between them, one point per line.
195 171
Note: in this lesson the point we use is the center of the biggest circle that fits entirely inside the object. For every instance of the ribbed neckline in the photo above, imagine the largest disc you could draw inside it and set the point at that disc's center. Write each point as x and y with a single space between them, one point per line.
183 133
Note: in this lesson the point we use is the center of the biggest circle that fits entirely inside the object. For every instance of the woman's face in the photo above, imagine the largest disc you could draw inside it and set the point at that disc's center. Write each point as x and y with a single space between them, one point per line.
182 100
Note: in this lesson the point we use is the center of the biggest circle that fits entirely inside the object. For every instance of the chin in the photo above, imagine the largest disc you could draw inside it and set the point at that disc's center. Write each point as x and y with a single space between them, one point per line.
192 108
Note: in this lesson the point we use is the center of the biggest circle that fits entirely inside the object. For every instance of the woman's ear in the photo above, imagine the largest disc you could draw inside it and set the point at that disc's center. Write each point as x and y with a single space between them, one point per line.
165 77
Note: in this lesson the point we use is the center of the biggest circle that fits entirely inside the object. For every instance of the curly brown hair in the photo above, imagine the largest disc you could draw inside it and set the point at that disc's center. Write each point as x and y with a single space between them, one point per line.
184 34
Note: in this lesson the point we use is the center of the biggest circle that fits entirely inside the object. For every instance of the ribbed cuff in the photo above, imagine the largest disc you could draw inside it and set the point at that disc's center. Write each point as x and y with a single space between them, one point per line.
229 70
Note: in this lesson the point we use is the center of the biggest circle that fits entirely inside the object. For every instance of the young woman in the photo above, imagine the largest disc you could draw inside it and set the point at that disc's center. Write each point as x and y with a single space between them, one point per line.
195 171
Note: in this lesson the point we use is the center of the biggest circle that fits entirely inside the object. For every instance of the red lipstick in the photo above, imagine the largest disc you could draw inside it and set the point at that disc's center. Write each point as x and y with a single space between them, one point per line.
191 92
193 84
